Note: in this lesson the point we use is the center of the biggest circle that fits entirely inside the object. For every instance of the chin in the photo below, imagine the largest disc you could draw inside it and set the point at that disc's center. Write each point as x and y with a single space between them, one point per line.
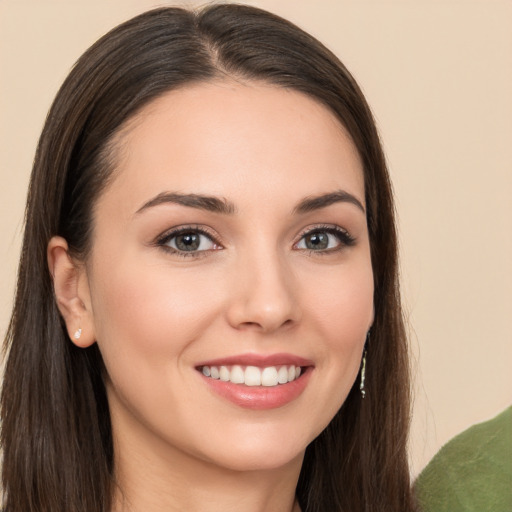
259 460
259 451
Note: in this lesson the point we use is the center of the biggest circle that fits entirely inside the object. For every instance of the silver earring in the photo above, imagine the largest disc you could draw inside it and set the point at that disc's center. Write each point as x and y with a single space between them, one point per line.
363 367
363 375
77 334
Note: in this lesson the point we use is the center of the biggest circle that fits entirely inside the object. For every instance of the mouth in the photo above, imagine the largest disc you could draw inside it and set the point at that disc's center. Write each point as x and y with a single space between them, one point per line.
268 376
255 381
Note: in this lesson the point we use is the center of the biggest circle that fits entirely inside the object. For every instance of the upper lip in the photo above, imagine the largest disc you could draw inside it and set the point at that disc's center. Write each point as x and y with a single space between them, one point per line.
260 360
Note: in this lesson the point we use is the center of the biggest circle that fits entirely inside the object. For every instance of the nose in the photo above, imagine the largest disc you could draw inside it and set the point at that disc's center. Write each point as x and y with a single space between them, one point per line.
264 295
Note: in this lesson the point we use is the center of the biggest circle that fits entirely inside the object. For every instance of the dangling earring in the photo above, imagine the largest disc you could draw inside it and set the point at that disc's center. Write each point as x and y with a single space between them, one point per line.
77 334
363 375
363 367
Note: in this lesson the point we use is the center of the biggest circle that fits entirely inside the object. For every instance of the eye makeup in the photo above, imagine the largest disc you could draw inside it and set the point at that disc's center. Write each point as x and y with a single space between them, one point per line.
188 241
324 239
197 241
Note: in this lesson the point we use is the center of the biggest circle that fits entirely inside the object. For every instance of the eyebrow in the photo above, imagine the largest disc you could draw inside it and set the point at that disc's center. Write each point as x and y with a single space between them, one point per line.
312 203
225 207
208 203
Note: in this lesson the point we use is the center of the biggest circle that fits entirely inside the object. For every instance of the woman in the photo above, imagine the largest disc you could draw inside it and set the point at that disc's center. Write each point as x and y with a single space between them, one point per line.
209 243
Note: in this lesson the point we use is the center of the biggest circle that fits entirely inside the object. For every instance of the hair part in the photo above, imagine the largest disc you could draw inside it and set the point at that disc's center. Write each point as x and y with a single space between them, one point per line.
56 432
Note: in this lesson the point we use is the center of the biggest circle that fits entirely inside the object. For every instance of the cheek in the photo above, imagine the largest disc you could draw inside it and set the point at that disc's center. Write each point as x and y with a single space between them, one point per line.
344 304
150 311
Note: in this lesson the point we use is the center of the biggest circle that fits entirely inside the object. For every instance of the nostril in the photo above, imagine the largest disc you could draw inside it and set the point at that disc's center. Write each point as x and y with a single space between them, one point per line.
266 325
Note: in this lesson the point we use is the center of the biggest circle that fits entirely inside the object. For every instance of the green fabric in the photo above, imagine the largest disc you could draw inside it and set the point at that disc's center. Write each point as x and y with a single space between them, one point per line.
471 473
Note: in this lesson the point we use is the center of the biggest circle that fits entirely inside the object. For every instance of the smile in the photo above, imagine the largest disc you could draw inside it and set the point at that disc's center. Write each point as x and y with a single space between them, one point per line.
257 382
268 376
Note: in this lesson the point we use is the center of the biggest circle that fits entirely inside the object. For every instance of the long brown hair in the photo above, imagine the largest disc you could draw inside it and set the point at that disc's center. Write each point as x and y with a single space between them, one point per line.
56 434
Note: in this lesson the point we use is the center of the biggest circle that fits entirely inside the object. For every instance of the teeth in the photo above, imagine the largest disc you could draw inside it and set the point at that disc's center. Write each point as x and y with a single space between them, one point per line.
269 376
282 375
252 376
237 375
224 374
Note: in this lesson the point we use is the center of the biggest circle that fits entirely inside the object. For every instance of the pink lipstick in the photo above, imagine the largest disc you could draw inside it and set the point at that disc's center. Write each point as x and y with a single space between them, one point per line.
256 381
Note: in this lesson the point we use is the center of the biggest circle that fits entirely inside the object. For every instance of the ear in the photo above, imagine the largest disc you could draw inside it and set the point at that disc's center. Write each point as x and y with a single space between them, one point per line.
71 292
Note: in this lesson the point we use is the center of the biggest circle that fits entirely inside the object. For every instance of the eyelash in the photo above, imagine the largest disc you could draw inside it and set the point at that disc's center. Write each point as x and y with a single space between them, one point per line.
344 237
164 239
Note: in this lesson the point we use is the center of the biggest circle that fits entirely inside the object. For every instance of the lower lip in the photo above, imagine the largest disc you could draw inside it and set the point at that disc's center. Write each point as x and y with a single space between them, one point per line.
260 397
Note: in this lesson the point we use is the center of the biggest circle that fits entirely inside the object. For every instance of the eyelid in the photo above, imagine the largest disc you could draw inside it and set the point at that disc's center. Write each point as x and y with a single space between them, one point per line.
344 236
162 240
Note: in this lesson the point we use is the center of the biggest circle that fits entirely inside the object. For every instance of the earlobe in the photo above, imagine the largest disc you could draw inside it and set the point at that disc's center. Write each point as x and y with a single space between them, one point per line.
71 293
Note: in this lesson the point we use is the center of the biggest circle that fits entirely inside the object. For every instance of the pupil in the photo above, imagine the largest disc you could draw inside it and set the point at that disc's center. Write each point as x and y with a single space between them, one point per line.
187 242
317 241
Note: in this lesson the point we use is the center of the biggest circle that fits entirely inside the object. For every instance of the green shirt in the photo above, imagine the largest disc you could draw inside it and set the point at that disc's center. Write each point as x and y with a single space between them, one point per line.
472 472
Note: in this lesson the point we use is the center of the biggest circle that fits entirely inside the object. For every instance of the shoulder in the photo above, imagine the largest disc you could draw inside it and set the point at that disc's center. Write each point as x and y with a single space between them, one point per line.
472 472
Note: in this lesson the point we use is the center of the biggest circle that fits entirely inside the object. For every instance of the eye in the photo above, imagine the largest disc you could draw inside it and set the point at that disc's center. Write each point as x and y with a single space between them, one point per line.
187 241
324 239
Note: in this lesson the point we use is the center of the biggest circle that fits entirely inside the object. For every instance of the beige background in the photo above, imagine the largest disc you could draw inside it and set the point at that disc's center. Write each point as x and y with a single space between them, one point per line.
438 74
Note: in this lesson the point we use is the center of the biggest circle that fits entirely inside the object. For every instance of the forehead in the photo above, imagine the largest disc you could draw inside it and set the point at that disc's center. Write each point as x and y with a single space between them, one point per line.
224 137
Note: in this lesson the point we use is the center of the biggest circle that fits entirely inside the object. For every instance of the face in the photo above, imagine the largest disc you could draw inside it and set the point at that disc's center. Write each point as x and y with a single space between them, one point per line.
230 253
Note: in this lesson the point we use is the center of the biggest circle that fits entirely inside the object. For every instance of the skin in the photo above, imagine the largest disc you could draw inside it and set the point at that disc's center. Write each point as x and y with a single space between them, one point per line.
255 289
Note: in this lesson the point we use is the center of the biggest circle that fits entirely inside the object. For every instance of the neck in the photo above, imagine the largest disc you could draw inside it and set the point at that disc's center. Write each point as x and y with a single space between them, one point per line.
163 479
